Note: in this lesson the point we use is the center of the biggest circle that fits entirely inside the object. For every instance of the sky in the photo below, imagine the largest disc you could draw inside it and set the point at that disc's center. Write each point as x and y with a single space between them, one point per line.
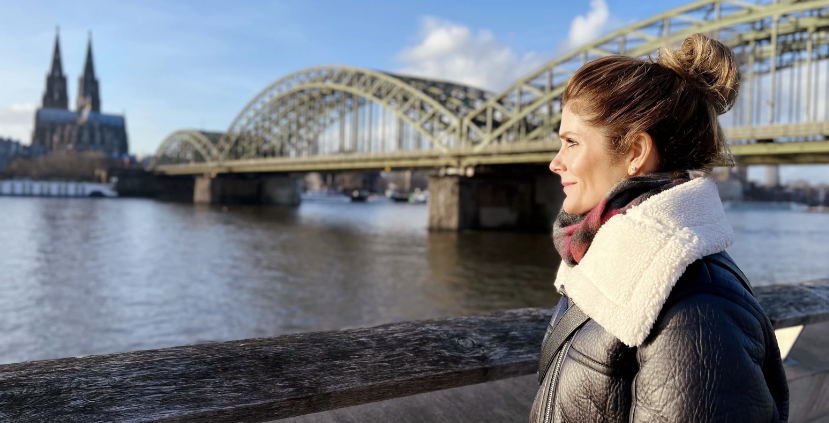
196 64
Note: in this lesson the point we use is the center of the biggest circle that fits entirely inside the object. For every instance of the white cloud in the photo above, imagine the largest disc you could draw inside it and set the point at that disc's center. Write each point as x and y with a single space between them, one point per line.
17 121
452 52
585 28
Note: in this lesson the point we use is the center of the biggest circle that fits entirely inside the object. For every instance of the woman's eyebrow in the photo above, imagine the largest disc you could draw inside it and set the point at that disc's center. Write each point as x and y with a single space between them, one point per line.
566 134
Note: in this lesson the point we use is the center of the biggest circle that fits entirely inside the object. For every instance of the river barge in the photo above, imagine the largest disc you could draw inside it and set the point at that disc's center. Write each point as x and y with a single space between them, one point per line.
33 188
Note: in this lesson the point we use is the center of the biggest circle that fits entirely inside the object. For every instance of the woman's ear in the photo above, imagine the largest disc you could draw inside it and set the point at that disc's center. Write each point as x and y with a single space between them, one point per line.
642 158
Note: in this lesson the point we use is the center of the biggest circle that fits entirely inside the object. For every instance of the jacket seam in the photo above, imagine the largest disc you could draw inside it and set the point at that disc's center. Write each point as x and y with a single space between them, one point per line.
596 365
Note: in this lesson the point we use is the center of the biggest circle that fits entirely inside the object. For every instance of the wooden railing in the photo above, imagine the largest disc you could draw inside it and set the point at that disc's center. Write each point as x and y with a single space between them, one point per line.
259 380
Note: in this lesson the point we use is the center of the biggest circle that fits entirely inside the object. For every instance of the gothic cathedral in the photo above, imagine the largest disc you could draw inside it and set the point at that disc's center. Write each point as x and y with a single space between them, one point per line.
86 128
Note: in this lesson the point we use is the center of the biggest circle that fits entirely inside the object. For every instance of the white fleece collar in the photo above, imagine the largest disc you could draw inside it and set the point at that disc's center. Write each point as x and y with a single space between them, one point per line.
636 258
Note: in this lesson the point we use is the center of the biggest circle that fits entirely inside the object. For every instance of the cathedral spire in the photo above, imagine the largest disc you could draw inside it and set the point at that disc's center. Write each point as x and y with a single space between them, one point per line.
88 95
57 65
55 95
89 69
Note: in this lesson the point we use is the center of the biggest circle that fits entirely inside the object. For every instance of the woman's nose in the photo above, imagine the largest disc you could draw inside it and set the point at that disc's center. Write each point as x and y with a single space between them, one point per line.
557 166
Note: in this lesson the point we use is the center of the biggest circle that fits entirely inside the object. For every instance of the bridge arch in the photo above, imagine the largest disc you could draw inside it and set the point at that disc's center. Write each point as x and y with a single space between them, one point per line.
320 112
289 116
187 146
759 33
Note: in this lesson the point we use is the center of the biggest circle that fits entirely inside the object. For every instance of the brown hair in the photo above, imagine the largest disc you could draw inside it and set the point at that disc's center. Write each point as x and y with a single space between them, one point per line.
676 100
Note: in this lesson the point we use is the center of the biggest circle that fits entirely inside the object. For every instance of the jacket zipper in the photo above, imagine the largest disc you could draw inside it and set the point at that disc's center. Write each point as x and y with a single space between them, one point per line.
554 380
633 407
633 388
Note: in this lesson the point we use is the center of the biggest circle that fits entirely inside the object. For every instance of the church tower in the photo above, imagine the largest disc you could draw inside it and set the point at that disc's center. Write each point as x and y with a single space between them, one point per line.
88 95
55 96
59 129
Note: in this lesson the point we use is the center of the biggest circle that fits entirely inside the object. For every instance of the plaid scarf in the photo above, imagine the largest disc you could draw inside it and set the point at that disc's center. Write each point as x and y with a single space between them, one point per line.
573 233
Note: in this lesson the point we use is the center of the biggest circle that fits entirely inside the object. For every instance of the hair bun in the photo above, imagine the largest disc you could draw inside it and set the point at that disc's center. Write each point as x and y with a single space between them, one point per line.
709 66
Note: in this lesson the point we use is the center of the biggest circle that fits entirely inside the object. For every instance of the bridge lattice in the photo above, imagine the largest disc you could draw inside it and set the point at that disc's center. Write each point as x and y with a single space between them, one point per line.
340 117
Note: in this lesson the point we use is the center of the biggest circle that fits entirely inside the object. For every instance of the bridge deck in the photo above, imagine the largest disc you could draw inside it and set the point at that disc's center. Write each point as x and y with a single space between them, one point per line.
802 152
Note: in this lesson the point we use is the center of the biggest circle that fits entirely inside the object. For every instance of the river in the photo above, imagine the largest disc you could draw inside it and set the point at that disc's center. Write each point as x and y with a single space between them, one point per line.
83 276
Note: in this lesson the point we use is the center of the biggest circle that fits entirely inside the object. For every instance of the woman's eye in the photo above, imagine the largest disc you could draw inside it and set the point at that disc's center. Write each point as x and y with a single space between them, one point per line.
571 143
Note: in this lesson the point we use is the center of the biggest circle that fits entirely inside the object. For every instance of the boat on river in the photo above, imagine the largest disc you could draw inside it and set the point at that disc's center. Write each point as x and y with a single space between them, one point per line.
33 188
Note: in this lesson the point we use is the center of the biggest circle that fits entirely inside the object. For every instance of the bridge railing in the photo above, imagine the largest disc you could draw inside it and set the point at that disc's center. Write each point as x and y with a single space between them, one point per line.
259 380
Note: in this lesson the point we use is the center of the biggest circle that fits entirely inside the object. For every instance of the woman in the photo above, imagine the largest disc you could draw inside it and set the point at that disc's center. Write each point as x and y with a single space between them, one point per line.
656 323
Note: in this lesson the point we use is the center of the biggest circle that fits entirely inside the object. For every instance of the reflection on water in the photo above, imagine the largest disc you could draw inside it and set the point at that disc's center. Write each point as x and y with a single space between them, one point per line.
83 277
781 246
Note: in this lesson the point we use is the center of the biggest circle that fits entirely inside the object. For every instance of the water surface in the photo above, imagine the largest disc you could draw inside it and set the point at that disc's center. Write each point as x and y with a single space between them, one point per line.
81 276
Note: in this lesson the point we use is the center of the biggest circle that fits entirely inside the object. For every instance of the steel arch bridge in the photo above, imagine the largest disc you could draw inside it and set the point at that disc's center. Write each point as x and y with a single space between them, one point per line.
187 146
340 117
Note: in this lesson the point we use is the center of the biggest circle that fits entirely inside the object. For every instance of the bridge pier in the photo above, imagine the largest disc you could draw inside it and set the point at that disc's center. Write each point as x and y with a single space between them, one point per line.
281 190
772 176
501 200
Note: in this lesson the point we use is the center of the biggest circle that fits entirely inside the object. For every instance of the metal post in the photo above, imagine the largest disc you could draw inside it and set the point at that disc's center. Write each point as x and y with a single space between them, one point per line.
399 134
792 103
622 44
809 77
773 69
342 121
816 80
370 119
717 14
750 111
435 128
798 91
304 125
355 121
826 97
382 128
549 89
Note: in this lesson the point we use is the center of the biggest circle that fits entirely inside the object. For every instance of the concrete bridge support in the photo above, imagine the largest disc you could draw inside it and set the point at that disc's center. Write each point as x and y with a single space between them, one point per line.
239 189
498 201
772 176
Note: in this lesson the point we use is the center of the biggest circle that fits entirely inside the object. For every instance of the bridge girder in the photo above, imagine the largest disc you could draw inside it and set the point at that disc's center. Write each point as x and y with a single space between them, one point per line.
536 98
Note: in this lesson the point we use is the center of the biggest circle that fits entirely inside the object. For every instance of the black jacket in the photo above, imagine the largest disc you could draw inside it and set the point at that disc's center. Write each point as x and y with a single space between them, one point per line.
711 357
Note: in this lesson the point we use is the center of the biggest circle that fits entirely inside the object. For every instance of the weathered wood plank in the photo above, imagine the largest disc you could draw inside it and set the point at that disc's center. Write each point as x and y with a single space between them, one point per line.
792 305
258 380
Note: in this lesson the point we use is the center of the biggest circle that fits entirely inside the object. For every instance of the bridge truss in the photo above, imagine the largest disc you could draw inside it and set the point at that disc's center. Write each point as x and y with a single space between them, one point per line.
339 117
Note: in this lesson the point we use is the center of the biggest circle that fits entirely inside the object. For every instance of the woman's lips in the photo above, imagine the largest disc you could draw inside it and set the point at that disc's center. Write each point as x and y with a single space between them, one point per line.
568 184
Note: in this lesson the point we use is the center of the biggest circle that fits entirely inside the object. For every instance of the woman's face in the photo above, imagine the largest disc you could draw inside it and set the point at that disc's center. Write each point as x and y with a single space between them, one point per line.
586 167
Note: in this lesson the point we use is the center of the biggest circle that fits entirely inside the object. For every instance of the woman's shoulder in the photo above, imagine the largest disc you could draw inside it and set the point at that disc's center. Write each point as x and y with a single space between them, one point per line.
716 292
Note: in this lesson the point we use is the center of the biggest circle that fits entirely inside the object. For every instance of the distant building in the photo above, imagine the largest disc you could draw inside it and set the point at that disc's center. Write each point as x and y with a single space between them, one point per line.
58 128
11 149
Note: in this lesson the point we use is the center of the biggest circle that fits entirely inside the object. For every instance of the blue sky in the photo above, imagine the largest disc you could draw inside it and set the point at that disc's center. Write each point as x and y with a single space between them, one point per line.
195 64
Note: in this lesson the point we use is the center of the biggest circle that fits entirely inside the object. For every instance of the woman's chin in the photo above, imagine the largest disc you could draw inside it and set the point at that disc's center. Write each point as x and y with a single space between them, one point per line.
569 208
573 207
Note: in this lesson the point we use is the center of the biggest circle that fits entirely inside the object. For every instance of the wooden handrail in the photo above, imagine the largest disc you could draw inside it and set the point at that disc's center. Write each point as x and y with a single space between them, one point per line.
795 304
259 380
